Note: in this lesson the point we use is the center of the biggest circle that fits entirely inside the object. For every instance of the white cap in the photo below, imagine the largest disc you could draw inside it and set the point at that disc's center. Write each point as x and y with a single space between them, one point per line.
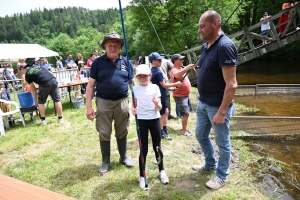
142 69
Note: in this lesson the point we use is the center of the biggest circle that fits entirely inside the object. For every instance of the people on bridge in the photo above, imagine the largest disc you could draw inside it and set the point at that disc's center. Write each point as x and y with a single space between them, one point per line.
284 17
217 85
265 26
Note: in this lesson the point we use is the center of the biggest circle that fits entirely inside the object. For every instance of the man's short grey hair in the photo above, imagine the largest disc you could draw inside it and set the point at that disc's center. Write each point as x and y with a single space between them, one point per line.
213 15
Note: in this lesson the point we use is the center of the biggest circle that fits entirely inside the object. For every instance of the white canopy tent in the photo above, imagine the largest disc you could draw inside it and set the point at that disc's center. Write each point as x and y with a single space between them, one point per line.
12 52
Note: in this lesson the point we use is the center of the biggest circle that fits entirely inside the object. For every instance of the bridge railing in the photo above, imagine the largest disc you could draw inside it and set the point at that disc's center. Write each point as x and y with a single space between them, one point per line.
245 39
253 32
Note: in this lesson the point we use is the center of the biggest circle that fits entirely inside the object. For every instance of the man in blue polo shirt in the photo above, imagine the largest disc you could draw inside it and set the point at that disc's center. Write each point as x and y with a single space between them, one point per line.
70 63
110 74
216 85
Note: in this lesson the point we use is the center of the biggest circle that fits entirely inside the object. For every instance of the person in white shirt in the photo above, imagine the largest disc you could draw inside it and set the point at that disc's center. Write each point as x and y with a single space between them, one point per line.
146 106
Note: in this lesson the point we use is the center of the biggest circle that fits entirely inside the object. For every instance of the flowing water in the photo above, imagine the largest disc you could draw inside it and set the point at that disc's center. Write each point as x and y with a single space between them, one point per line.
274 138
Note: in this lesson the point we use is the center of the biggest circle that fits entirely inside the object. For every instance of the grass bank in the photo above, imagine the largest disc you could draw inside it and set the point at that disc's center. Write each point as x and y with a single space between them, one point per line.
65 158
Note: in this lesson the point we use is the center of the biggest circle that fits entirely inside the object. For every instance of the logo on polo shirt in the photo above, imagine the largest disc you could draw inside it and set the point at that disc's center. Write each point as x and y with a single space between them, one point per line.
230 61
123 68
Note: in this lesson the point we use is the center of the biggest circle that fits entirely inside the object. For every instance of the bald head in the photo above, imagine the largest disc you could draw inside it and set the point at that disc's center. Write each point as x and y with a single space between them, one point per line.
212 15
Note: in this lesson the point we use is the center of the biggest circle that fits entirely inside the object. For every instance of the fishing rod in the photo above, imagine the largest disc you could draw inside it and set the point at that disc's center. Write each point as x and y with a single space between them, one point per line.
160 155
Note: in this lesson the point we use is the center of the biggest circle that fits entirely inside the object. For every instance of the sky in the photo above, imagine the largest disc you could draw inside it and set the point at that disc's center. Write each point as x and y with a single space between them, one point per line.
9 7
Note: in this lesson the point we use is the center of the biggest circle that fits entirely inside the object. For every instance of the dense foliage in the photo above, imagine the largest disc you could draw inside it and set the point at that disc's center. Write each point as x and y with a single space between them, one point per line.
168 26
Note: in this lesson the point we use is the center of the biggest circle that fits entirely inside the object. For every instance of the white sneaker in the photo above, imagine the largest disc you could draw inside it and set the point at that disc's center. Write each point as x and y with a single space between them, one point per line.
142 184
163 177
60 120
215 183
42 122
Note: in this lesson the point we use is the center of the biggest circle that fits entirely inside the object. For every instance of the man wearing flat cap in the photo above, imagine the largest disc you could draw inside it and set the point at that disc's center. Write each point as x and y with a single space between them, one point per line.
110 74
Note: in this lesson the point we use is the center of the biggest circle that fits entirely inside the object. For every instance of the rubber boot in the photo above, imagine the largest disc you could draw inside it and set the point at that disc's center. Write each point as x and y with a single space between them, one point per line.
122 151
105 151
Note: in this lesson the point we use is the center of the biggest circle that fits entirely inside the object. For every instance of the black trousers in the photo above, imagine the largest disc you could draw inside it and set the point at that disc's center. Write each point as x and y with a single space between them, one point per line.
152 125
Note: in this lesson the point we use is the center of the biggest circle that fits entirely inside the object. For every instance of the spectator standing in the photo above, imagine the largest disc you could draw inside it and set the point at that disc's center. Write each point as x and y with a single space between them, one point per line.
45 64
96 53
265 26
8 77
22 75
21 63
284 17
147 99
181 95
12 71
59 64
79 57
47 86
110 73
89 63
82 71
157 78
70 64
217 85
5 107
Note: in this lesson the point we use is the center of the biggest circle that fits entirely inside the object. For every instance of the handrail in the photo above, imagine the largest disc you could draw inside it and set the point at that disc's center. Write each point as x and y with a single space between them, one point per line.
248 35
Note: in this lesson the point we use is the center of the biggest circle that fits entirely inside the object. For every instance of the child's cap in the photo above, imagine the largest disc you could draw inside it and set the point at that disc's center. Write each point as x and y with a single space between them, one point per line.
142 69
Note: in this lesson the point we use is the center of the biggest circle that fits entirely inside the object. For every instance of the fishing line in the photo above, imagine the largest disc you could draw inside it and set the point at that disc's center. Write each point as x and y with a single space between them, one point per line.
154 30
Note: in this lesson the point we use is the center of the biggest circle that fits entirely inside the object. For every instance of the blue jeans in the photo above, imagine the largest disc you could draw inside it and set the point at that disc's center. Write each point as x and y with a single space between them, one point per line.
205 114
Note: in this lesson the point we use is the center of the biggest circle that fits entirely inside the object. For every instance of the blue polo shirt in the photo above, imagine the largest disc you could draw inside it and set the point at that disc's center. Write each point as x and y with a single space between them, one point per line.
211 84
156 78
69 62
111 77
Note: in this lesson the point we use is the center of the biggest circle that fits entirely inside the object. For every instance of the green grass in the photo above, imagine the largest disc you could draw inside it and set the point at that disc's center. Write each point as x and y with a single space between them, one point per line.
65 158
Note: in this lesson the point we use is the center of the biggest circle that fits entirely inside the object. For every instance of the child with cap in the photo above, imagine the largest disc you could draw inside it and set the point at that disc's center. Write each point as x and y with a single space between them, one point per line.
146 106
156 59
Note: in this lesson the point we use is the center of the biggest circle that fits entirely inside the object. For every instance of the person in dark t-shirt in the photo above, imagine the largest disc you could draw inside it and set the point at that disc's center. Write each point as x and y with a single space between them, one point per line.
47 86
216 86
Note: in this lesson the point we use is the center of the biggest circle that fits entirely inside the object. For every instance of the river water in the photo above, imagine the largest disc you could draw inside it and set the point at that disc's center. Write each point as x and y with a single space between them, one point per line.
274 138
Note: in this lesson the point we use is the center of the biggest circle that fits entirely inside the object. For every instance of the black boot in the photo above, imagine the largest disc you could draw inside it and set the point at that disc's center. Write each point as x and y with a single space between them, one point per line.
105 151
122 151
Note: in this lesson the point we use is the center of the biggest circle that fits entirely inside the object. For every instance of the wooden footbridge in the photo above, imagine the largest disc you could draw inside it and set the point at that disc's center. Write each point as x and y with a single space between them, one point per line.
244 39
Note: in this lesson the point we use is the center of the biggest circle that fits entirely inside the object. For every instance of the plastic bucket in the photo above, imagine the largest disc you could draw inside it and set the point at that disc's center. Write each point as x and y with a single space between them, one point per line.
78 102
26 99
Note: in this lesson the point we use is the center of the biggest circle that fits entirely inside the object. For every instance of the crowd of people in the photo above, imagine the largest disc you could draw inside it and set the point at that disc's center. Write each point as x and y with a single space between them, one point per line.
39 72
110 74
